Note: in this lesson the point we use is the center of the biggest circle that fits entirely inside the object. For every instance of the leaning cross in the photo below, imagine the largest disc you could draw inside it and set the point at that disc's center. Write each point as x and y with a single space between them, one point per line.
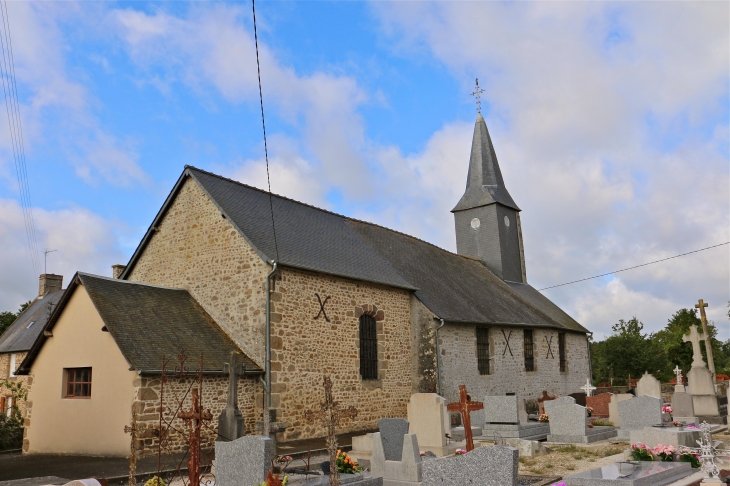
330 413
194 418
230 421
701 304
464 406
588 388
132 429
694 338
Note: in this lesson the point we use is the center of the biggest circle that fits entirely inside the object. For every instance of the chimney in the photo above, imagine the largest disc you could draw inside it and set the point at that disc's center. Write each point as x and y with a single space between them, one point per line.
49 283
118 270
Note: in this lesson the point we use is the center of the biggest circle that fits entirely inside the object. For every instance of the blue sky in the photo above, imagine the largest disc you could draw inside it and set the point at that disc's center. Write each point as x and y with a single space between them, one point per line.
610 121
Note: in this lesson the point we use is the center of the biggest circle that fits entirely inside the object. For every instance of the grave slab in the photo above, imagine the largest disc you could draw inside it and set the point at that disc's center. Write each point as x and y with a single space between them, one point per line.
243 461
675 436
362 449
568 424
404 472
637 413
527 431
646 474
354 479
484 466
392 431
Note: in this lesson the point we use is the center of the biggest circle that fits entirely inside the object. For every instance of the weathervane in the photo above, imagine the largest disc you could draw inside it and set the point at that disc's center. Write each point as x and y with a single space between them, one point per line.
477 93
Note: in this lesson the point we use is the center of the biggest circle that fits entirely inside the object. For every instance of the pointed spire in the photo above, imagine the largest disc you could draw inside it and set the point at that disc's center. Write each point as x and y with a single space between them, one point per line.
484 183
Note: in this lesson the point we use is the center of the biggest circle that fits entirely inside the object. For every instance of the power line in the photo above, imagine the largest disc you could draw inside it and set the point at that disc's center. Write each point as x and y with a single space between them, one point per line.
263 124
636 266
12 105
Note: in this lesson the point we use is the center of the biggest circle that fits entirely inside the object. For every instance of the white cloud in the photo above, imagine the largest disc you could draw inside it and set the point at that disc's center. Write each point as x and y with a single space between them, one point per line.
84 242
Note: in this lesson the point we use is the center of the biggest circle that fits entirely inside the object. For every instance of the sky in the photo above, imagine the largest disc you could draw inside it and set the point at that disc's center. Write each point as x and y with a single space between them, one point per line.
610 122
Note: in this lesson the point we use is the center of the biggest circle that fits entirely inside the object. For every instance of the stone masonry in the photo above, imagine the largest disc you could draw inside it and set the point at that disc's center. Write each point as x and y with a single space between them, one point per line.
5 373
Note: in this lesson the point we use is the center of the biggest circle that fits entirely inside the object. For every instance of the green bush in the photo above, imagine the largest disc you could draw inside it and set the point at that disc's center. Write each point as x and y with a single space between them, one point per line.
11 433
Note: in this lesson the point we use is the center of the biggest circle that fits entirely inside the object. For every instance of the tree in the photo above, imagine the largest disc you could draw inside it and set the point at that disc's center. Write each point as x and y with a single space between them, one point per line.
6 318
628 352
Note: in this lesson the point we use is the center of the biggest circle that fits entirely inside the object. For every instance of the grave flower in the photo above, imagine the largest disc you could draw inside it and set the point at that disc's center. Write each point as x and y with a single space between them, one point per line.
590 411
640 452
664 452
345 464
667 409
459 452
544 418
692 457
690 426
422 454
677 424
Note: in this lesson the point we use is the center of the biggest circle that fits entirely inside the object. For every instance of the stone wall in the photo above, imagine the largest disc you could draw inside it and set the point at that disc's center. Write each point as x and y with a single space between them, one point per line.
507 371
195 248
5 373
177 389
423 347
305 348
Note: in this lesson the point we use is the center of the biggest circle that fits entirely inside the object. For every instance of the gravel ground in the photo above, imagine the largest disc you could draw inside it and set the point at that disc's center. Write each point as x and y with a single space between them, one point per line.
570 459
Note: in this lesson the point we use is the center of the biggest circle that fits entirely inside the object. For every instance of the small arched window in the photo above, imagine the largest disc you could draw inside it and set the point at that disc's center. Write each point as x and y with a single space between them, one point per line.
368 348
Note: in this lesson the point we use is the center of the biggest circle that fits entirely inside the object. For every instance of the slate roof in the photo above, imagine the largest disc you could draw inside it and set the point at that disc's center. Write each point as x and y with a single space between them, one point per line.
147 322
19 337
454 287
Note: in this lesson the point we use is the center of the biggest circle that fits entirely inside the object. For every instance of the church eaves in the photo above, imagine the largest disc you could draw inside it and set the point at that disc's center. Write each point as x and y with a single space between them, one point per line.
484 184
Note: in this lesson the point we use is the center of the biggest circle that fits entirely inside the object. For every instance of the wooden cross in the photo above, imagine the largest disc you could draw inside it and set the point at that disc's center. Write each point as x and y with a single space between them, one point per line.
330 413
588 388
132 429
465 405
694 338
322 303
701 304
194 418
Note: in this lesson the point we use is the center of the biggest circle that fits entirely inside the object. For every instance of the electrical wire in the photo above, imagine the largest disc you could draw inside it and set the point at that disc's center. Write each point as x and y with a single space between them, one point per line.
635 266
263 124
12 105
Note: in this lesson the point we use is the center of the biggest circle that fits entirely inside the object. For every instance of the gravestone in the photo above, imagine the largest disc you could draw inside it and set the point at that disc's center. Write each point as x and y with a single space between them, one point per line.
568 424
243 461
558 402
683 409
580 398
648 385
406 471
484 466
392 432
638 413
599 403
613 415
639 474
430 422
504 420
230 421
362 449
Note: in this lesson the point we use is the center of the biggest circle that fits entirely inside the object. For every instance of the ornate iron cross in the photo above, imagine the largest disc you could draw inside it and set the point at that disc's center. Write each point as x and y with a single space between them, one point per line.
506 343
464 406
477 94
330 413
194 419
550 349
321 307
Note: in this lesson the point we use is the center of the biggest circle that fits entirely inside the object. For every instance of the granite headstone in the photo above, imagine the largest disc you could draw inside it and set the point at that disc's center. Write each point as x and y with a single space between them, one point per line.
392 431
501 409
558 402
484 466
243 461
639 412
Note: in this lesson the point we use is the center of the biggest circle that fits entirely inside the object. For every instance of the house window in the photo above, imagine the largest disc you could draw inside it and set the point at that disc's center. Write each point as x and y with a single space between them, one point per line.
78 383
483 350
561 351
529 351
11 371
368 348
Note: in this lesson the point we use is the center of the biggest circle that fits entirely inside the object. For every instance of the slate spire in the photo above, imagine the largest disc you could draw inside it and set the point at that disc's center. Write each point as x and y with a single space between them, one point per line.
484 182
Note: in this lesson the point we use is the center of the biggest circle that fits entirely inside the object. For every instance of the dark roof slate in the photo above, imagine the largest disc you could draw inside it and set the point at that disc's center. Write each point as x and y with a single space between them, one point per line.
454 287
18 337
148 321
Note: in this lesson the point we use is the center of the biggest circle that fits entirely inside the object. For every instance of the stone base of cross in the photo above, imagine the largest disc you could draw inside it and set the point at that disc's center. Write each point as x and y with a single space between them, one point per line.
464 406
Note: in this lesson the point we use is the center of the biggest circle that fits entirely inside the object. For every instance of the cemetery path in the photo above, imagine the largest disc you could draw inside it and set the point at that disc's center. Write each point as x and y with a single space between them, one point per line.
16 466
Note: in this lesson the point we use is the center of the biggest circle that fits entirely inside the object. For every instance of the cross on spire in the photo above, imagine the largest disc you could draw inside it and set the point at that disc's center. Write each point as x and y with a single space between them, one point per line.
477 94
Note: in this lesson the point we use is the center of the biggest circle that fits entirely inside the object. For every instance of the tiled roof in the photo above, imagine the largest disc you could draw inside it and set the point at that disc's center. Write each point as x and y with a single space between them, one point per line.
454 287
148 321
21 335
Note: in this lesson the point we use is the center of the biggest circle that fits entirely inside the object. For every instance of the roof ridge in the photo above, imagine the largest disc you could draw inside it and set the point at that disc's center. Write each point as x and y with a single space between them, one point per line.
131 282
348 218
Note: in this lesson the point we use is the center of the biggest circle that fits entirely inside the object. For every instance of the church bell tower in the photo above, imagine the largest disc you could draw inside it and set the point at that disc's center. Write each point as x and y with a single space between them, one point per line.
487 219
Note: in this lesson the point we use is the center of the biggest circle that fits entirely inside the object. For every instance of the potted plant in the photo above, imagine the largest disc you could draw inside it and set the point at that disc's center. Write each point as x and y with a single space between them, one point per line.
664 453
640 452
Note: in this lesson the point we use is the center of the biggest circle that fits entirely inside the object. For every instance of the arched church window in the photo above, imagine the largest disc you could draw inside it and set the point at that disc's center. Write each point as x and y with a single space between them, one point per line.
368 348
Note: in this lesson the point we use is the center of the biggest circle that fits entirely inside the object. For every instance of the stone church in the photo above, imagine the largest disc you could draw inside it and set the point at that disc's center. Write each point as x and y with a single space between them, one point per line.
384 313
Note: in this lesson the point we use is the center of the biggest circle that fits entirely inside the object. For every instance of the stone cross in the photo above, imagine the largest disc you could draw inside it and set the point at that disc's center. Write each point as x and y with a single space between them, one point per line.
330 413
464 406
694 338
701 304
194 418
477 94
134 430
678 373
230 421
588 388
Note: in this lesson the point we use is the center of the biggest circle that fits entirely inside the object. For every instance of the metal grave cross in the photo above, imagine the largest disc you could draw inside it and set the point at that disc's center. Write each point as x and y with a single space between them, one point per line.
477 94
588 388
330 413
694 338
194 418
464 406
133 429
678 374
322 303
